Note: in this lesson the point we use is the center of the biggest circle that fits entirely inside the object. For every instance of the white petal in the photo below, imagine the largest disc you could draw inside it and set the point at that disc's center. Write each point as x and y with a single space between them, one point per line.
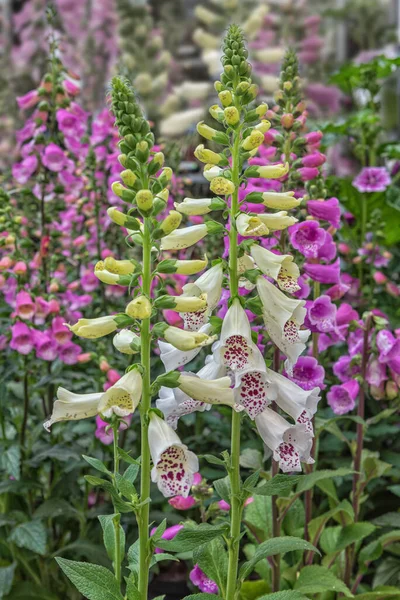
73 407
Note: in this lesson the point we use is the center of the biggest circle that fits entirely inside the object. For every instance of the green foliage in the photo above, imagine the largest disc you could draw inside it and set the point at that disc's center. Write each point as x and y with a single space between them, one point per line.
93 581
316 579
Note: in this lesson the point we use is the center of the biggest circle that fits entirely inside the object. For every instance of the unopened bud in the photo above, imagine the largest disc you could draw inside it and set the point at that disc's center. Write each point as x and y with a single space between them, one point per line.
144 200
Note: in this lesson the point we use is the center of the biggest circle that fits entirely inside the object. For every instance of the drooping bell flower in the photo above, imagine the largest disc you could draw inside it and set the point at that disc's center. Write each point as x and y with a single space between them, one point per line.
323 273
174 465
22 339
307 373
174 403
344 370
182 503
200 580
215 391
210 284
127 342
376 373
54 158
168 534
326 210
183 238
321 315
280 267
94 328
187 340
342 398
290 444
173 358
45 346
283 318
307 237
24 170
60 332
24 305
69 353
235 348
254 391
104 432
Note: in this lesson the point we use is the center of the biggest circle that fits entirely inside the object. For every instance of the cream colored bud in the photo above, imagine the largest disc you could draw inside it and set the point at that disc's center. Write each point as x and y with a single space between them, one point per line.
139 308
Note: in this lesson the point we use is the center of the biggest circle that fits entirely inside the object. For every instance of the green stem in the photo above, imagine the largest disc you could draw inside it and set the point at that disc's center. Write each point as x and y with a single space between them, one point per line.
363 230
116 520
234 472
144 510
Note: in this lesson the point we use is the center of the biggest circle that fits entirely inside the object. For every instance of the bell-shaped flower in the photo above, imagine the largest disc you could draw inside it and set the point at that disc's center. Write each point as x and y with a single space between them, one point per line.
127 342
323 273
211 171
283 318
73 407
182 267
245 263
291 444
222 186
183 238
186 340
123 397
280 200
298 403
267 171
250 225
199 206
24 305
210 285
92 329
280 267
254 391
236 349
211 391
175 404
174 465
115 272
277 221
184 303
173 358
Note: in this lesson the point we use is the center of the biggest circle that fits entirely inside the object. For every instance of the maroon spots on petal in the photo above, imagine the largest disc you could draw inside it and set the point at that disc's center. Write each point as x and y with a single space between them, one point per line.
253 394
304 419
236 354
174 480
194 320
289 458
291 332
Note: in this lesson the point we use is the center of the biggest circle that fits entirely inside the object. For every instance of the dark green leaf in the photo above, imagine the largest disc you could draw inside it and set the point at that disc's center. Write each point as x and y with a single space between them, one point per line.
31 535
6 579
11 461
92 581
280 485
316 579
212 558
353 533
190 538
308 481
96 464
223 488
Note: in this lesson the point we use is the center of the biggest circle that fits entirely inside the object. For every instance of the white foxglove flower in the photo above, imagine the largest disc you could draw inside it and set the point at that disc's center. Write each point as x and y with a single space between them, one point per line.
245 263
215 391
199 206
174 465
283 318
212 172
254 391
123 339
187 340
300 404
290 444
175 404
73 407
250 225
279 267
123 397
280 200
172 358
92 329
277 221
183 238
209 283
235 349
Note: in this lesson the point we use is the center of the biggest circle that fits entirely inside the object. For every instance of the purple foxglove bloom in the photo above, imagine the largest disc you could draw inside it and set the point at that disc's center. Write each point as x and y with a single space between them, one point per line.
200 580
345 314
324 273
45 346
372 179
321 315
388 346
337 291
376 373
307 237
307 373
343 369
25 169
327 210
60 332
68 353
69 124
308 173
28 100
168 534
316 159
21 338
106 437
342 398
304 290
224 505
25 306
54 158
327 252
182 503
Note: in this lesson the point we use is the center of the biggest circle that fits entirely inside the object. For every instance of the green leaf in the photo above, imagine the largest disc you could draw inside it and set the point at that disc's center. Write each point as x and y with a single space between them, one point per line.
272 547
31 535
127 457
258 518
285 595
11 461
251 590
317 524
119 504
223 488
92 581
308 481
251 458
6 579
126 488
131 473
316 579
29 591
57 452
280 485
250 483
212 558
384 593
190 538
109 524
353 533
213 460
96 464
56 507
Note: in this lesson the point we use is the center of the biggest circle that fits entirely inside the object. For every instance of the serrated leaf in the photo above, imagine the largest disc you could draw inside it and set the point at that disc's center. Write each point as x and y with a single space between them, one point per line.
353 533
96 464
92 581
127 457
251 458
308 481
56 507
250 483
190 538
131 473
258 518
316 579
11 461
212 558
285 595
6 579
270 548
57 452
125 487
31 535
223 488
213 460
251 590
280 485
108 525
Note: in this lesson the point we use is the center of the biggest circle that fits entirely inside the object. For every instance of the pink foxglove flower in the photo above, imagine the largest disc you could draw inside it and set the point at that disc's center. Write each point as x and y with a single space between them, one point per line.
344 370
323 273
45 346
200 580
24 170
307 237
22 339
291 444
174 465
182 503
372 179
168 534
28 100
321 315
342 398
326 210
25 307
308 374
54 158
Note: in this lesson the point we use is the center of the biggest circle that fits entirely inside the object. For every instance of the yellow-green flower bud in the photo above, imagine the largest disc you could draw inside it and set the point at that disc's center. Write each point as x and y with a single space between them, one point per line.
171 222
242 87
139 308
216 112
156 163
122 192
144 200
122 219
212 134
264 126
128 177
207 156
222 186
166 173
261 109
254 140
226 97
232 116
218 86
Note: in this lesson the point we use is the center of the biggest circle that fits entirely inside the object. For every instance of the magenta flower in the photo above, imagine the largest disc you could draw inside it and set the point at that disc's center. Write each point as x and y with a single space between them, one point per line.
327 210
337 291
323 273
223 505
24 170
345 314
342 398
376 373
61 333
21 338
54 158
307 237
308 173
307 373
25 306
344 370
182 503
316 159
69 123
327 252
372 179
45 346
321 315
69 353
168 534
106 437
28 100
200 580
